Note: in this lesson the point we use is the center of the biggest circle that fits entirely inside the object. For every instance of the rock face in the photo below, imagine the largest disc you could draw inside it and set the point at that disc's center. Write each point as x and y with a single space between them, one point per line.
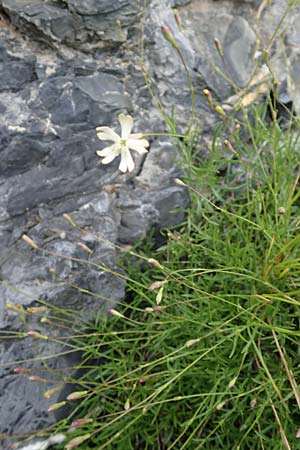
67 66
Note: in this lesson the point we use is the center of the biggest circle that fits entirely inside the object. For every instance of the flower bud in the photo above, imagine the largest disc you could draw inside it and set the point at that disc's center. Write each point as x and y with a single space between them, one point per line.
77 441
116 313
232 383
70 220
76 395
36 335
167 33
85 247
21 370
56 406
191 342
38 379
230 147
180 182
51 392
29 241
220 406
127 405
220 111
208 95
218 47
178 19
80 422
157 285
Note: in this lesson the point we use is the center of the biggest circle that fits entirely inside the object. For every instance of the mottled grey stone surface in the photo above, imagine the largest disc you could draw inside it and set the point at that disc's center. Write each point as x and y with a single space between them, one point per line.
67 67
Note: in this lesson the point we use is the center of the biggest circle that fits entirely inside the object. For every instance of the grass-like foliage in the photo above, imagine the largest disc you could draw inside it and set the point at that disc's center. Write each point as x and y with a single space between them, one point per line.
207 356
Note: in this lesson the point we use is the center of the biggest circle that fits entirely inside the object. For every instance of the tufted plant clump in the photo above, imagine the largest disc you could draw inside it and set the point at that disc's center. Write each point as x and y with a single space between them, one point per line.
204 352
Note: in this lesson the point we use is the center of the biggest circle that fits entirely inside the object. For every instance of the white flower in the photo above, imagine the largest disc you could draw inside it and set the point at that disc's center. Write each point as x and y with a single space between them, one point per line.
122 144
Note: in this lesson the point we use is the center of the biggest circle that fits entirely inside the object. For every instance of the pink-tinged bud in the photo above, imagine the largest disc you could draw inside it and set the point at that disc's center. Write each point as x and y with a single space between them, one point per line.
56 406
77 441
38 379
21 370
29 241
156 308
142 380
36 335
297 434
168 35
80 422
116 313
157 285
76 395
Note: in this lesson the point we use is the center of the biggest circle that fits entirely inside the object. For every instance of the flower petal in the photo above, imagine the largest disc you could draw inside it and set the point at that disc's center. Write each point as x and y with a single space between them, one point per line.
138 145
126 123
126 161
109 158
115 148
107 134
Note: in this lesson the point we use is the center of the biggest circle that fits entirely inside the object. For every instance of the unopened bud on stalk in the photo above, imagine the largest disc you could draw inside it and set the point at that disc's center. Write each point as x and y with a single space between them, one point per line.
153 263
157 285
237 127
36 309
116 313
218 47
77 441
208 95
220 111
167 33
232 383
180 182
21 370
36 335
38 379
76 395
220 406
69 219
177 18
85 247
56 406
191 342
273 114
45 320
51 392
80 422
29 241
230 147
